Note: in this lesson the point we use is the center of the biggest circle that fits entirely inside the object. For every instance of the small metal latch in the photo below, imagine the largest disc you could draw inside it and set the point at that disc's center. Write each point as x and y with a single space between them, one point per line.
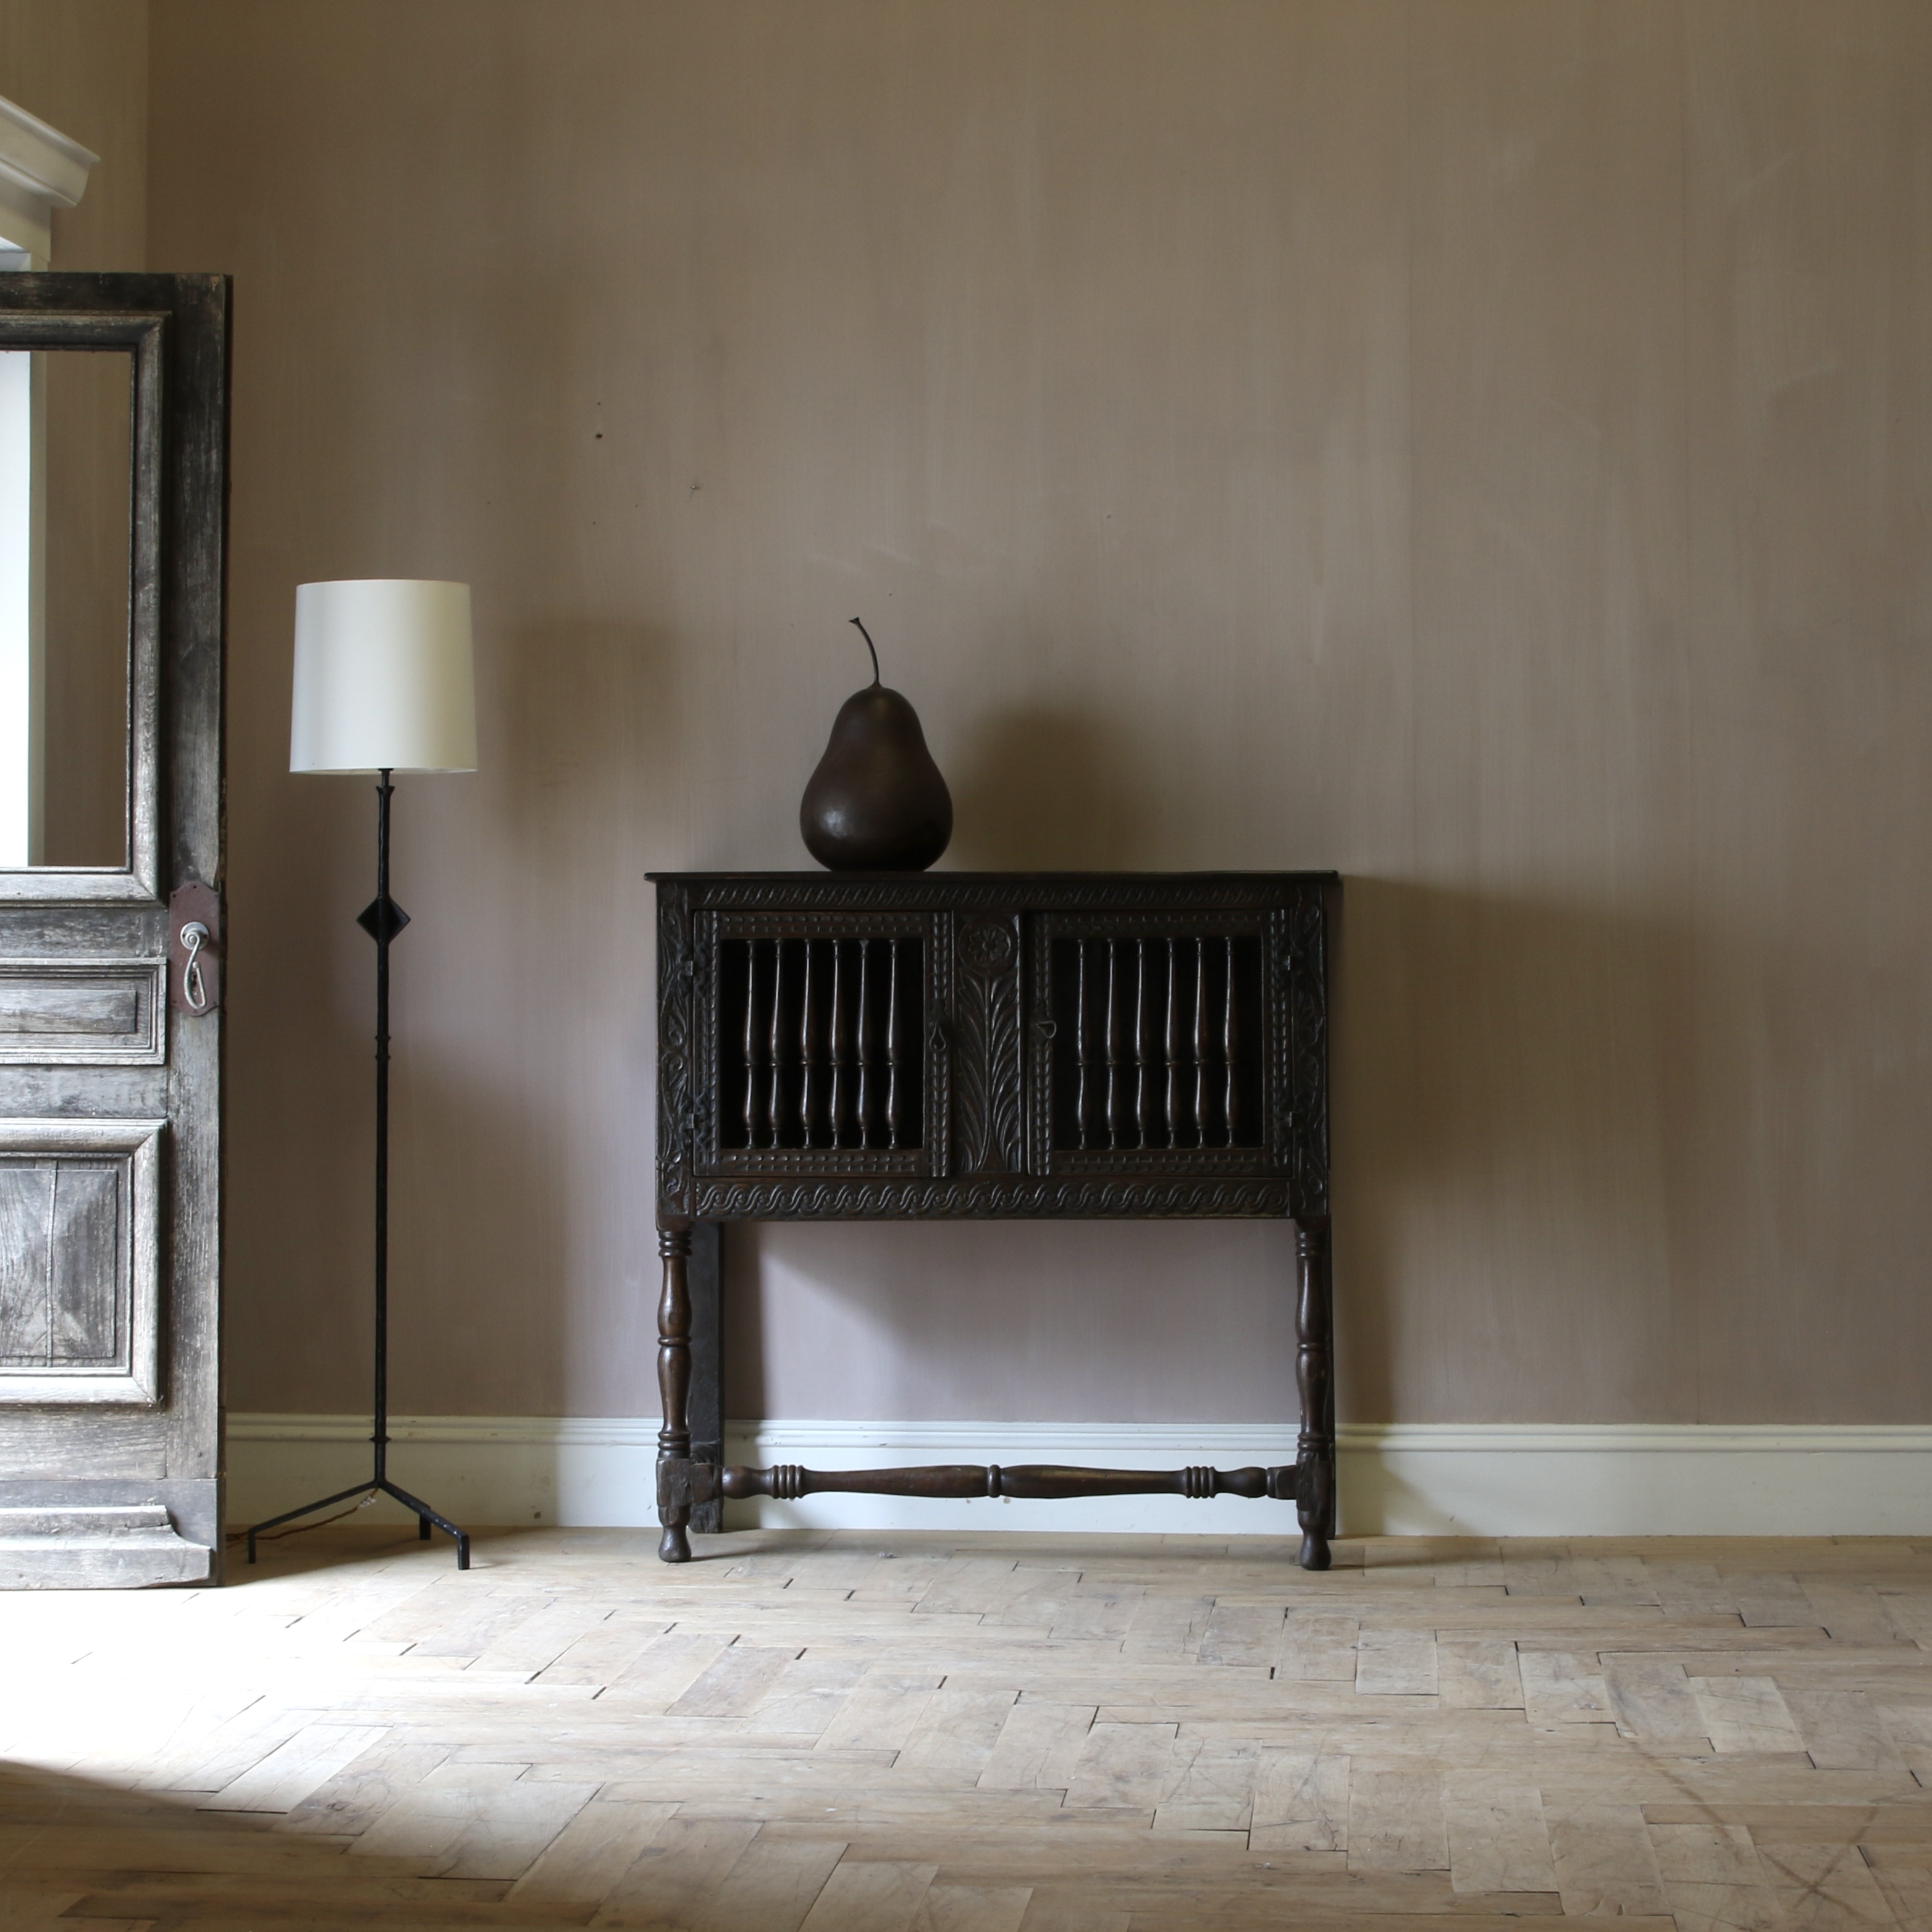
194 949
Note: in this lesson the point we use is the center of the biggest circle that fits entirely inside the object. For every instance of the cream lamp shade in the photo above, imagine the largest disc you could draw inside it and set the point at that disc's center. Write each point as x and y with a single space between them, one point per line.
383 677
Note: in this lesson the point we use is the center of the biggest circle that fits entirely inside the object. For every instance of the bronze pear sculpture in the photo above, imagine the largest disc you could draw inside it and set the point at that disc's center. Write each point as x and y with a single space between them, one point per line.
876 802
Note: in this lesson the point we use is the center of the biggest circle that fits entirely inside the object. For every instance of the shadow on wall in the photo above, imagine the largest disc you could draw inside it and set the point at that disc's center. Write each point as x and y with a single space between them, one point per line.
542 851
585 718
481 1232
1516 1141
479 1248
1078 1322
1002 1321
1511 1097
1510 1092
1041 789
584 737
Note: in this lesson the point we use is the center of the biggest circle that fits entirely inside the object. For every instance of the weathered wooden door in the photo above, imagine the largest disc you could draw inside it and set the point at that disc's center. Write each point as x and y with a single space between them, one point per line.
113 452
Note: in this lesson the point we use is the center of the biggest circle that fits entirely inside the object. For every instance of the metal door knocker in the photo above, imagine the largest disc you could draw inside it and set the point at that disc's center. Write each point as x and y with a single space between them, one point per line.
194 936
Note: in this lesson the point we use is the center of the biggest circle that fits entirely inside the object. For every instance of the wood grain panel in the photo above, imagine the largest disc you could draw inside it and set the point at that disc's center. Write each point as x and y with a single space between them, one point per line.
80 1210
328 1741
87 1233
69 1013
41 1007
64 1291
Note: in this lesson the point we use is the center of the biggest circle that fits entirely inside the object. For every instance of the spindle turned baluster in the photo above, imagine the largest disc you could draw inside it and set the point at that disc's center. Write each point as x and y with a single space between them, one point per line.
1113 1043
1200 1042
1102 1091
1083 1024
768 1048
1171 1042
808 1047
1141 1042
828 1038
1227 1040
892 1043
771 1023
842 1045
751 1046
865 1042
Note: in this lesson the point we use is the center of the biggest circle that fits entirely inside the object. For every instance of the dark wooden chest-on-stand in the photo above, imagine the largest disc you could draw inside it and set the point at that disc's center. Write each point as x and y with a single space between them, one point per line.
875 1047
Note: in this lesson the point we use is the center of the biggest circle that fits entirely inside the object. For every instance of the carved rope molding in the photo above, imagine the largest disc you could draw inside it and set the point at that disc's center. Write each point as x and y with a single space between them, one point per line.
943 892
1007 1194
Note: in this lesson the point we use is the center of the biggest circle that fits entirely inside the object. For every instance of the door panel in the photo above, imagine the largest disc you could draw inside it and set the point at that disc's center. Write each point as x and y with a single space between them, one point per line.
110 1423
820 1046
1157 1039
79 1262
82 1013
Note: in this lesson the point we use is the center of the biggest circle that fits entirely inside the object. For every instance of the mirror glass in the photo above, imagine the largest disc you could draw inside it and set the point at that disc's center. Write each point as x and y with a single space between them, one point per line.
66 530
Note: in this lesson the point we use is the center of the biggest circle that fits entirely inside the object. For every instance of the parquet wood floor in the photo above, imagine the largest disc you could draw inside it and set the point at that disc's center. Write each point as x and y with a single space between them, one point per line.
855 1732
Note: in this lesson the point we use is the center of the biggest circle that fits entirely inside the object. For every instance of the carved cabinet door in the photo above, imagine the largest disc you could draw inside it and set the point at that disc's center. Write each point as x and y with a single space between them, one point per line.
1158 1042
113 410
826 1056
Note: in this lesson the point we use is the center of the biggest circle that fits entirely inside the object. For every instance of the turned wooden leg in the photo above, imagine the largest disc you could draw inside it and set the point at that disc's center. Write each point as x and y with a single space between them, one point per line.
1315 1452
674 1381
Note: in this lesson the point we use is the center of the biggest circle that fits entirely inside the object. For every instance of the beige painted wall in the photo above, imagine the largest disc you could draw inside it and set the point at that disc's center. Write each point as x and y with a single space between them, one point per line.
1480 446
82 66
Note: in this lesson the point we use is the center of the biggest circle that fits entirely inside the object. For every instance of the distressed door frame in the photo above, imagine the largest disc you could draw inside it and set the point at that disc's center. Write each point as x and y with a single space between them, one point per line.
111 1462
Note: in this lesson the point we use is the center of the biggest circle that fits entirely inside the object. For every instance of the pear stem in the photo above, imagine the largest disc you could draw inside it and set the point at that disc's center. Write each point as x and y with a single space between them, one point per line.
871 647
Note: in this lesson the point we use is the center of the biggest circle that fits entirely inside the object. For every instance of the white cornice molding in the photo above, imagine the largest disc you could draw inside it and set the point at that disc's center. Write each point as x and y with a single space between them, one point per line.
41 170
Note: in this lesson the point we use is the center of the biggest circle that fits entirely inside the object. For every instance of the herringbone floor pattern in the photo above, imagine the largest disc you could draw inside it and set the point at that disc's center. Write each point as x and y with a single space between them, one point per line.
899 1733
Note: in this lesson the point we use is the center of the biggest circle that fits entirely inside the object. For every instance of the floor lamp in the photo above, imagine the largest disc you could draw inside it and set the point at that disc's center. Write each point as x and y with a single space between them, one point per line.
383 684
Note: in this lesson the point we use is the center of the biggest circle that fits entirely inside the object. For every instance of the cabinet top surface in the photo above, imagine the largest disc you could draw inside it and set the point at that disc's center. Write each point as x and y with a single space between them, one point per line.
812 877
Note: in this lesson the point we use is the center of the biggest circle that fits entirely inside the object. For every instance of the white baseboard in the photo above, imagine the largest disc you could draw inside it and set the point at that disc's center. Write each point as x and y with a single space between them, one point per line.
582 1471
1503 1479
1636 1479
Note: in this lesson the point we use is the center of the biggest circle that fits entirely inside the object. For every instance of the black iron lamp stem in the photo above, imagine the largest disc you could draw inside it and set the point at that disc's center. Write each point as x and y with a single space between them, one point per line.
383 920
